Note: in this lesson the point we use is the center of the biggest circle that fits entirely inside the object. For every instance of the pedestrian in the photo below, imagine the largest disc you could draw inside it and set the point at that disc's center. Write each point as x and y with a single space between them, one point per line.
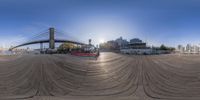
97 55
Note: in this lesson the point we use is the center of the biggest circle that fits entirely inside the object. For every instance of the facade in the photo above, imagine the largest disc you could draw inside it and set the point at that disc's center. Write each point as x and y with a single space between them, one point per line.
136 46
121 42
136 51
188 48
180 49
135 40
113 44
110 45
195 49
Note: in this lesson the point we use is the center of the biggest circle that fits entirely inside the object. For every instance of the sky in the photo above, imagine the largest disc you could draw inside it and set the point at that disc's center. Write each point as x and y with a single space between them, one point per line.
169 22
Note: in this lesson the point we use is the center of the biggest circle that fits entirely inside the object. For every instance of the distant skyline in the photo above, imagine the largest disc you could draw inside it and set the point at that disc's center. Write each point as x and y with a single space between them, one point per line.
169 22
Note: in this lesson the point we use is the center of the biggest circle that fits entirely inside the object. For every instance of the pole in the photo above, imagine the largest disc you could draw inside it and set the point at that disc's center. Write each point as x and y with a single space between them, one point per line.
41 47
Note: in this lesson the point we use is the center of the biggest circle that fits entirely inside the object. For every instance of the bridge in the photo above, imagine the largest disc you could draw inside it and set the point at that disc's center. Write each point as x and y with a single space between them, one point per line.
52 40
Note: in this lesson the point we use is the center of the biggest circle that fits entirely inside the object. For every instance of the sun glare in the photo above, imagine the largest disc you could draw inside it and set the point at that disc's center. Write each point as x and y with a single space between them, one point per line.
101 40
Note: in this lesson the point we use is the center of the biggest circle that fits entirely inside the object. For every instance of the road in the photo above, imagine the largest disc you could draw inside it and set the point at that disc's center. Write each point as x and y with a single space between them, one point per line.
111 76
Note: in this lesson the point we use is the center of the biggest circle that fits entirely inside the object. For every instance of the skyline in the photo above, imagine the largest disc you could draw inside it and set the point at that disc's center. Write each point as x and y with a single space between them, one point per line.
156 22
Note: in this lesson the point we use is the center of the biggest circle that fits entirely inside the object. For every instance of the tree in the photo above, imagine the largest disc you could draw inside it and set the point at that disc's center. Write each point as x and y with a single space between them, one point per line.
163 47
66 47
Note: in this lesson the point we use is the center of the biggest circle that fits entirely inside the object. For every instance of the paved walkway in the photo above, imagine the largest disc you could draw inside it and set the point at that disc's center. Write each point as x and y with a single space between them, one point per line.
110 77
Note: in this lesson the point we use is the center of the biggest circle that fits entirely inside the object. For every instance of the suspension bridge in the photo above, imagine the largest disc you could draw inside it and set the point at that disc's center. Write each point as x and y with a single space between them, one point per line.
53 37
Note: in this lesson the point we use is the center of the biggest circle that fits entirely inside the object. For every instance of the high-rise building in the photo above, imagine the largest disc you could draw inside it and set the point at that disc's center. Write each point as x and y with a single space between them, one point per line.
181 49
188 48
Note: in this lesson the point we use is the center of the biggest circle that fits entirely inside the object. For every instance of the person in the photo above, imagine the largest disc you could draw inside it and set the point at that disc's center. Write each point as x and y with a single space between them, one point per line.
97 55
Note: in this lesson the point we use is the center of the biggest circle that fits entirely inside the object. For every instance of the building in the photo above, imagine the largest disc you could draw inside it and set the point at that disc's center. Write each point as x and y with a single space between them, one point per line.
180 49
121 42
135 40
195 49
109 45
136 46
112 45
188 49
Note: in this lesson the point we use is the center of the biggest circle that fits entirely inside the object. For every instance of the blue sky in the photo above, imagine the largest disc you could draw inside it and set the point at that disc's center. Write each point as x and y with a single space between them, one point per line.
169 22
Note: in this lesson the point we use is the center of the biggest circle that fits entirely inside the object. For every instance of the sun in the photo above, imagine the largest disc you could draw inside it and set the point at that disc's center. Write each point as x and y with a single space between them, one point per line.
101 40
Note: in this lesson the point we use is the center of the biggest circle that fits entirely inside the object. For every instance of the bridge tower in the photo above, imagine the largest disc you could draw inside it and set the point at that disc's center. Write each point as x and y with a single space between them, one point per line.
51 38
41 47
